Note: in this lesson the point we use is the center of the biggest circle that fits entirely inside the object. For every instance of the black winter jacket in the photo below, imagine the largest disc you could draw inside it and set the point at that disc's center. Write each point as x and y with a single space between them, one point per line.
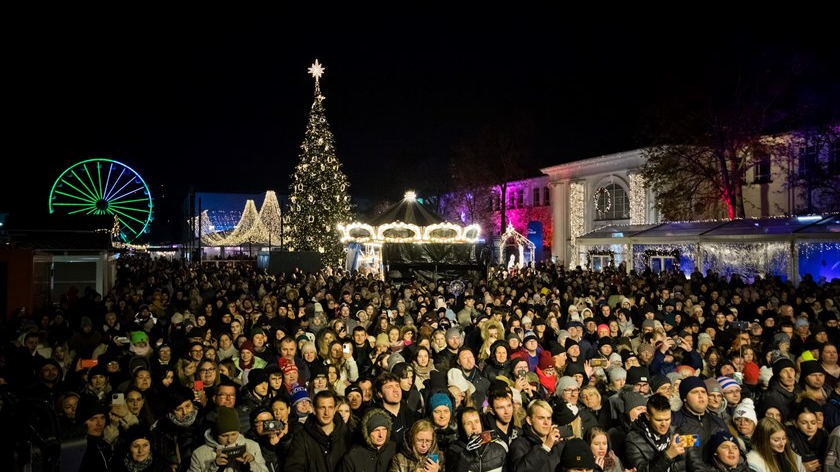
526 453
314 451
685 422
365 457
491 457
641 453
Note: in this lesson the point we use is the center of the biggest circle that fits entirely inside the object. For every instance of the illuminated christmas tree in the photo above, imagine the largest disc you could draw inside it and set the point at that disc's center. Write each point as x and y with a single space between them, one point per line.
318 199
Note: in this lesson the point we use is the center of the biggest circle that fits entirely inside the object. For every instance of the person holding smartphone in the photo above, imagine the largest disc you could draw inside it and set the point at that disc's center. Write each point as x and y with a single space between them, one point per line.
419 452
475 450
539 447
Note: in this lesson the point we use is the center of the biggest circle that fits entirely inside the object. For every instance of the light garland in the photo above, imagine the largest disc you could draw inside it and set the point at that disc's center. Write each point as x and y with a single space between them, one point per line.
576 223
521 241
396 233
638 200
263 227
600 193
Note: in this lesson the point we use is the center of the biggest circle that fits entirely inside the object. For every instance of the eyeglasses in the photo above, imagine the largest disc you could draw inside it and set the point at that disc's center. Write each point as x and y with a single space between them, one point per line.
571 391
196 350
423 441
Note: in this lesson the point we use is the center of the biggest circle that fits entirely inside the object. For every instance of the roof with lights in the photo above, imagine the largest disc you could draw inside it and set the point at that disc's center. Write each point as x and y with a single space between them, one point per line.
409 221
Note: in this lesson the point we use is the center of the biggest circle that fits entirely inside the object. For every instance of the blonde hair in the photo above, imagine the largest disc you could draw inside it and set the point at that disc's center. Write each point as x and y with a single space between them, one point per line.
760 440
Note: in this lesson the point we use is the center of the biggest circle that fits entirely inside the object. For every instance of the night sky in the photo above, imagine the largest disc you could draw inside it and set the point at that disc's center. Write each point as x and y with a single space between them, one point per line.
221 103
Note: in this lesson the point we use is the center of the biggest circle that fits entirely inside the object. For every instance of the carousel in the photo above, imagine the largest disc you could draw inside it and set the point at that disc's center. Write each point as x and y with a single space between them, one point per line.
410 240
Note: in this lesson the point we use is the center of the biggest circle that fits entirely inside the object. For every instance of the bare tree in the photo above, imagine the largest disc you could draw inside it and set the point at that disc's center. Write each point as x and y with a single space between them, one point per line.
491 160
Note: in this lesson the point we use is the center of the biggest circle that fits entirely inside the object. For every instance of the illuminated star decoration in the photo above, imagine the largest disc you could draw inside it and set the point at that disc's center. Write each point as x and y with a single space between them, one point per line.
316 70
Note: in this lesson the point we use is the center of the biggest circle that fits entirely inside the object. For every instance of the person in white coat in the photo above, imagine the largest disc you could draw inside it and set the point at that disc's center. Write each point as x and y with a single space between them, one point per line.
225 449
771 449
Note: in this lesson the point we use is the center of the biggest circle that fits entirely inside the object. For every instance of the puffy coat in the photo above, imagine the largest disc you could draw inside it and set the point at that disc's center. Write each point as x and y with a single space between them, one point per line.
204 458
526 453
365 457
641 452
490 457
314 451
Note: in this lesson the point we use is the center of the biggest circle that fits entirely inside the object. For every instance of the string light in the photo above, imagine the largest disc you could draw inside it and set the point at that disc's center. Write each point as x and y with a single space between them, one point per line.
576 224
263 227
521 242
638 200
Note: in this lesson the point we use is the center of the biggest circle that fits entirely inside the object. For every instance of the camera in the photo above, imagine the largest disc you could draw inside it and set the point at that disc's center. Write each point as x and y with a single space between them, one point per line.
234 452
740 326
521 374
273 425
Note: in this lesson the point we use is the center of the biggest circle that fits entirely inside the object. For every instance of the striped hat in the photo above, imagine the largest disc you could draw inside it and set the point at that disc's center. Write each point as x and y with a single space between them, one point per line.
727 383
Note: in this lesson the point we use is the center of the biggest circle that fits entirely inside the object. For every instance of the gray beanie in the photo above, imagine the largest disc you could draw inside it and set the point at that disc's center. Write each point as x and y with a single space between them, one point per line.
564 383
632 400
617 373
395 359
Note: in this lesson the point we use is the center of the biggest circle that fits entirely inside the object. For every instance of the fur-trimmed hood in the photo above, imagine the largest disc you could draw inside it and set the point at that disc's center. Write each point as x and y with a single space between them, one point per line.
380 415
485 330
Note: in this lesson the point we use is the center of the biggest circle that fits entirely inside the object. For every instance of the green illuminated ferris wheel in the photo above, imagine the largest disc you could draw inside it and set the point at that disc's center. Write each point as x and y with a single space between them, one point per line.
105 187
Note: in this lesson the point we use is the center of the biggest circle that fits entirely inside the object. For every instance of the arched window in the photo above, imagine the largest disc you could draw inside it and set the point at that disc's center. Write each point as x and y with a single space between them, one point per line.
611 203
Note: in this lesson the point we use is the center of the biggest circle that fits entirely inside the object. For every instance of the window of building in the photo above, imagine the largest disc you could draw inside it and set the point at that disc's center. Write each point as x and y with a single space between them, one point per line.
512 200
662 264
520 198
762 168
612 203
600 261
536 201
808 161
546 201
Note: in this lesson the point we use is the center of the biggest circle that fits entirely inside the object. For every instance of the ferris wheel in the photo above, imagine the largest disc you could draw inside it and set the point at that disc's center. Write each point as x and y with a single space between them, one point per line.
104 187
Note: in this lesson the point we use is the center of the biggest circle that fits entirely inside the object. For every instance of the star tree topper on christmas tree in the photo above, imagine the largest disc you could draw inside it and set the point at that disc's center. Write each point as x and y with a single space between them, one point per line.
317 70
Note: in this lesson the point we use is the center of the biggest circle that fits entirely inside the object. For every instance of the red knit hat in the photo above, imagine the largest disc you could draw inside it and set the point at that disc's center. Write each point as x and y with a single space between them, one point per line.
545 361
751 371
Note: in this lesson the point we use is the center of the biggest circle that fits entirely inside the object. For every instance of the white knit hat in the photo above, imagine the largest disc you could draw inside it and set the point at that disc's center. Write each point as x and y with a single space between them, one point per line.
745 410
456 377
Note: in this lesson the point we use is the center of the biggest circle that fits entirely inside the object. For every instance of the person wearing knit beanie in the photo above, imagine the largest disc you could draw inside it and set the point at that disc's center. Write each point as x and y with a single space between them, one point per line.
781 364
617 373
376 418
657 382
227 420
438 400
720 437
731 390
745 418
690 383
633 400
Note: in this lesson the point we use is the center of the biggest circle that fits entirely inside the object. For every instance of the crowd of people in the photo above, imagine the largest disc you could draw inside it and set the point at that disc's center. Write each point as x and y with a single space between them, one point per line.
209 368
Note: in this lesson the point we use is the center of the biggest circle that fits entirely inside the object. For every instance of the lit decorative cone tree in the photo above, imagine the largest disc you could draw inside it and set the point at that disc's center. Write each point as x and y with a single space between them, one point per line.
318 200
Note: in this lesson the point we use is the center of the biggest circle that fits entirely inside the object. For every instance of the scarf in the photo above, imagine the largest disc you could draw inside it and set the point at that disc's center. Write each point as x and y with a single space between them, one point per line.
499 366
660 443
547 381
422 373
186 422
131 466
243 366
